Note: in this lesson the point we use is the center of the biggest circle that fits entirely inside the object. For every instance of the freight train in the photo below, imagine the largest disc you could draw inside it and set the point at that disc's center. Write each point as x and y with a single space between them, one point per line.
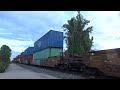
48 52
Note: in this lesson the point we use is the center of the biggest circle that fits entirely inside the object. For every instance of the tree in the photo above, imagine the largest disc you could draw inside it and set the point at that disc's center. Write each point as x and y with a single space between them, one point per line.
77 35
5 53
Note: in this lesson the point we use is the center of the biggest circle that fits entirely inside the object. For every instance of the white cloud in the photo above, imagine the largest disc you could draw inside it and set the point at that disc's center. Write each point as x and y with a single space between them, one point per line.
106 30
16 45
109 44
4 33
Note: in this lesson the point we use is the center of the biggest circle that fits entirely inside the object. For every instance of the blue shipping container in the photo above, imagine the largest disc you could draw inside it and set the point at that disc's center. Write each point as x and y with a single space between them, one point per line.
50 39
23 53
29 51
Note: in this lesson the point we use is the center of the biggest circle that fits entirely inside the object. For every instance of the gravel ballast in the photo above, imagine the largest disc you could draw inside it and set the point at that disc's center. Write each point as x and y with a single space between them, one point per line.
54 72
61 74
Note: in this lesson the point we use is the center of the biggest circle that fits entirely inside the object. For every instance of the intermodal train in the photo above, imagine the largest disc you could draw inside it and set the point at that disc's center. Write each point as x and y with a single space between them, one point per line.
48 52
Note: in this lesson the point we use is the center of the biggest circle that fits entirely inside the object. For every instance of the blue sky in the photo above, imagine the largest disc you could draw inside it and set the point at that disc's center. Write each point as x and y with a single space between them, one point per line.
20 29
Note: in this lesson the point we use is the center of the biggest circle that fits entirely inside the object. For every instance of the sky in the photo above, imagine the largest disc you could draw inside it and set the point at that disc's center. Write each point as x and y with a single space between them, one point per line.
20 29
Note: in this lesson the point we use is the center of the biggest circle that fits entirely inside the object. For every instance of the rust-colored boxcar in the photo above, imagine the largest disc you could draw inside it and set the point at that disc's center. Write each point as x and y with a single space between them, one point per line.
107 61
29 59
50 62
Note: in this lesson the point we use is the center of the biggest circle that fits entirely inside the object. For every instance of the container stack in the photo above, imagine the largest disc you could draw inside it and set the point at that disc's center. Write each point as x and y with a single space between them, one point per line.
51 44
29 55
21 57
17 59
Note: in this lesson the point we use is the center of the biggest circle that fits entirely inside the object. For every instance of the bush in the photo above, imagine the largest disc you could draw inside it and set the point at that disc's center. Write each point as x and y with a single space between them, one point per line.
3 65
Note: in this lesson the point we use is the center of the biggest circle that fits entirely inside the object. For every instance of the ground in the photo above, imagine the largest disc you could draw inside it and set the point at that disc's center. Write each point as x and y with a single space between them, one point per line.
16 72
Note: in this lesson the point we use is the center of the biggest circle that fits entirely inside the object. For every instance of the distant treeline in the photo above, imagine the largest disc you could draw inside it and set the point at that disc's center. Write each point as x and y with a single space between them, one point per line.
5 54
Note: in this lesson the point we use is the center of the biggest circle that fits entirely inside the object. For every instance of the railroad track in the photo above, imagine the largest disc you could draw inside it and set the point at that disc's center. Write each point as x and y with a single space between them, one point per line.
71 73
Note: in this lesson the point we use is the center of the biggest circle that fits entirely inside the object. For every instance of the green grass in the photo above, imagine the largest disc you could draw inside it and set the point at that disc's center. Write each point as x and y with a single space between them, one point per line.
3 65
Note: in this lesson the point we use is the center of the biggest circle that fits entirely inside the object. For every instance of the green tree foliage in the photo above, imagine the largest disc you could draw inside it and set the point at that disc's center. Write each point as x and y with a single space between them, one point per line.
77 35
5 53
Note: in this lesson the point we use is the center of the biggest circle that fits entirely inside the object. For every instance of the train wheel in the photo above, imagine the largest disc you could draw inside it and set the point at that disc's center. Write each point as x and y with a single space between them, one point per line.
68 68
65 67
61 67
93 72
82 68
58 66
99 73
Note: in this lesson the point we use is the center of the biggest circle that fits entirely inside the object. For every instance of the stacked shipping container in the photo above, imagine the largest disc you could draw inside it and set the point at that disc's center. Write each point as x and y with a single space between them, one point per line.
51 44
50 39
29 51
49 52
28 55
22 57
